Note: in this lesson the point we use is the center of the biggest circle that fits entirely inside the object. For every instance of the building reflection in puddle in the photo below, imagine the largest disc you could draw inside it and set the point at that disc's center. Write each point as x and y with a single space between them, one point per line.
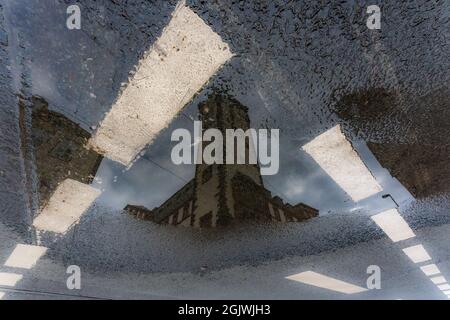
65 168
222 193
409 138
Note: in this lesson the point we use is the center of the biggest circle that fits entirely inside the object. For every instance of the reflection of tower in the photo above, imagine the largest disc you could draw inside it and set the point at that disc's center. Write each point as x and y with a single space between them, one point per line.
214 183
222 193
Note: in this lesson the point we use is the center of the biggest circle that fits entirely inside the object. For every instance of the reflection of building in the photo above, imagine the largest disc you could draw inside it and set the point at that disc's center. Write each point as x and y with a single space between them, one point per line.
221 193
410 138
60 150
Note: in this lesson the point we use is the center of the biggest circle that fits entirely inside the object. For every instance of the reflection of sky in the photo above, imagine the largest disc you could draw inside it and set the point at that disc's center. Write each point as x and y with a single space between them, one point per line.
284 74
145 182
